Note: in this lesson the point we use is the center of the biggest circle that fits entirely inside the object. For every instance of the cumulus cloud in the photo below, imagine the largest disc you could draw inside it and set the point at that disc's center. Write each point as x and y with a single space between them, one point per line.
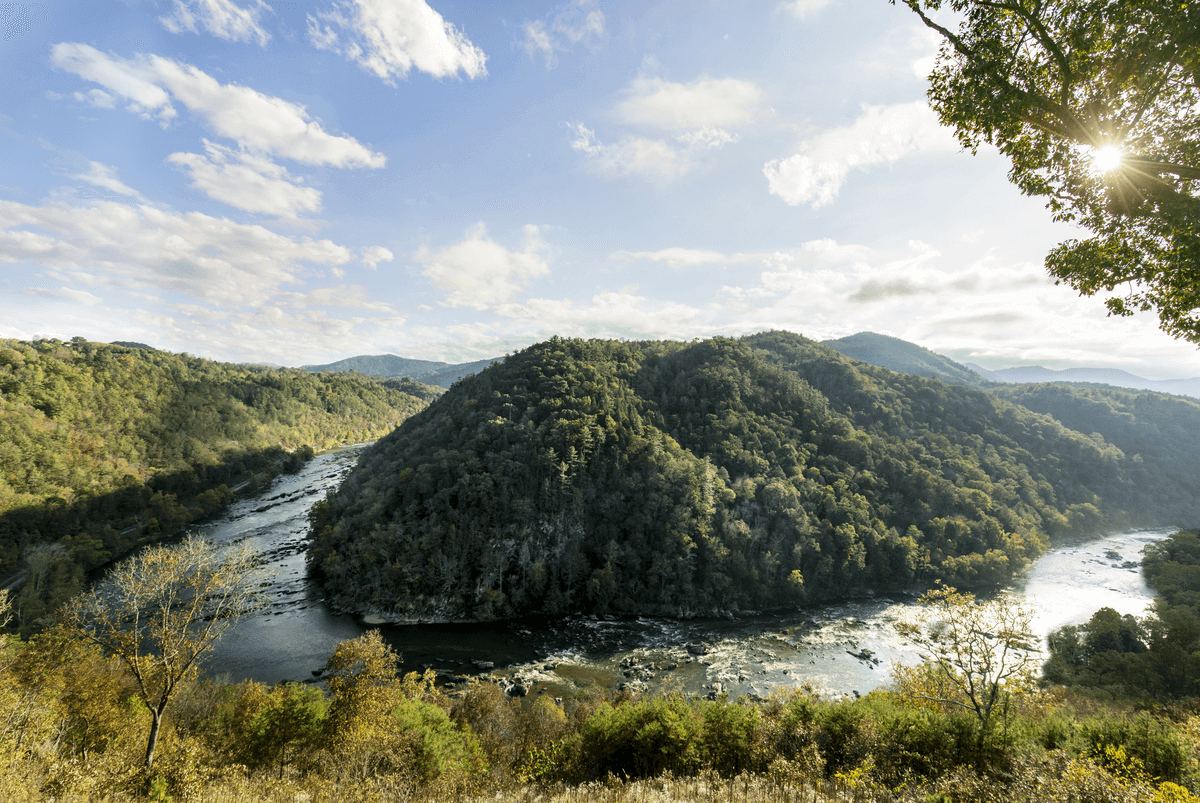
391 37
558 31
248 182
648 158
261 123
707 103
375 254
479 272
213 260
802 9
694 113
221 18
102 175
882 134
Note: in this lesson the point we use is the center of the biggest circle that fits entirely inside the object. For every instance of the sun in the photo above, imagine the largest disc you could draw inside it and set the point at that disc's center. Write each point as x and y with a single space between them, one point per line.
1107 157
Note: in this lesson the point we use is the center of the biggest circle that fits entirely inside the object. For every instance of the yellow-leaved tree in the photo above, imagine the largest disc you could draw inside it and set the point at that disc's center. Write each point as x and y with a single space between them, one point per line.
979 654
162 609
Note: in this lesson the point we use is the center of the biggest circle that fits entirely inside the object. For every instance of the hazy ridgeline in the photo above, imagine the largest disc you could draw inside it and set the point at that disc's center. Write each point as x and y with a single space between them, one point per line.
103 447
687 478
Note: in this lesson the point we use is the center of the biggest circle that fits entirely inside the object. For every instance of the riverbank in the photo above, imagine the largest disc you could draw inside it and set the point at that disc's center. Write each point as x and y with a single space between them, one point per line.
838 648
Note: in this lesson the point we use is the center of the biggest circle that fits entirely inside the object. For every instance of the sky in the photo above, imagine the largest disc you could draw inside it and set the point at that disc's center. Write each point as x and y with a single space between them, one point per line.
299 182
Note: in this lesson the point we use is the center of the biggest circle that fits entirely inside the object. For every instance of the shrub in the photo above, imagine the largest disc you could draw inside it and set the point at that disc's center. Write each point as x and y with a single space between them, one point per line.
637 740
1145 738
438 748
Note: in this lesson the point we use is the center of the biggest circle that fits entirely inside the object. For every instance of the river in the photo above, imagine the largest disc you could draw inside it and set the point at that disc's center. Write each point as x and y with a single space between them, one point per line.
821 645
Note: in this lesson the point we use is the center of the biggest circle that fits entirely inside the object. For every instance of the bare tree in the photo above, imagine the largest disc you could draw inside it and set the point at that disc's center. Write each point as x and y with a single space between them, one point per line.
979 653
162 609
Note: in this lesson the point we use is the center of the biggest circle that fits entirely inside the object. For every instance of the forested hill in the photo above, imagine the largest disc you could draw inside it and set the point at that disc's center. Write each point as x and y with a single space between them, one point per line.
103 445
684 478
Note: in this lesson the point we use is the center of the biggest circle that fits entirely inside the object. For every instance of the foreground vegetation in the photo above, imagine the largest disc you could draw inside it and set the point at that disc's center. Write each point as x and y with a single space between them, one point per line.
103 447
74 729
685 478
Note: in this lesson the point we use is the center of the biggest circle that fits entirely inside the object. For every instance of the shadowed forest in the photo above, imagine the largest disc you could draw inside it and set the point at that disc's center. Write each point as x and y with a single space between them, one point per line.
104 447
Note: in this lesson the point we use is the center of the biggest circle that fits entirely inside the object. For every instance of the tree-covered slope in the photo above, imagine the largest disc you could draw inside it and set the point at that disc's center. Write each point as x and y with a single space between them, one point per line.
103 445
1158 433
676 478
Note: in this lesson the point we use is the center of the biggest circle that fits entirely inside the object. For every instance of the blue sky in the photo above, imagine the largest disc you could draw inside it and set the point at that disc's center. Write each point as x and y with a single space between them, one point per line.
297 182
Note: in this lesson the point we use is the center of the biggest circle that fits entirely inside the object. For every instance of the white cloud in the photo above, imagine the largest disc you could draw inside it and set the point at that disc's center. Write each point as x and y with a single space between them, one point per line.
705 138
880 135
133 81
803 8
610 314
648 158
479 272
651 159
712 103
676 257
694 112
222 18
248 182
94 97
75 296
214 260
346 295
261 123
565 26
102 175
375 254
390 37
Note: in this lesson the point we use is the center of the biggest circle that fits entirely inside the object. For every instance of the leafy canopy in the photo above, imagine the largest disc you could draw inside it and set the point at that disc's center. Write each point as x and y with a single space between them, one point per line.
161 610
1097 103
982 653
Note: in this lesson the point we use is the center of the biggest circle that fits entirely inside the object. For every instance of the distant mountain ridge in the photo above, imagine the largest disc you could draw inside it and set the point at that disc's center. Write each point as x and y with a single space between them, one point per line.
907 358
382 365
1103 376
389 366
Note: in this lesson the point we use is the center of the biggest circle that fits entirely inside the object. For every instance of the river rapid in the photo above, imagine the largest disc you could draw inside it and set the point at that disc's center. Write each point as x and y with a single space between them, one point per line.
838 649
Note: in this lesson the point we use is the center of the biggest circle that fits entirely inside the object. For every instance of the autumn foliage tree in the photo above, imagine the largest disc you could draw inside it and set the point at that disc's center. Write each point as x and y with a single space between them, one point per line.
163 609
978 655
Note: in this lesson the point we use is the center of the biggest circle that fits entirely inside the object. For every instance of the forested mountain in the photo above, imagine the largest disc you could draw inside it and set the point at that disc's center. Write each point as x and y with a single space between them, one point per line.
441 374
102 446
908 358
683 478
448 376
381 365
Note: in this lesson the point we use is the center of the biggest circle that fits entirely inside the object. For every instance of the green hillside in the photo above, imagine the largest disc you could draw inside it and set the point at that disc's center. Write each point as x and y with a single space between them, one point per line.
677 479
104 446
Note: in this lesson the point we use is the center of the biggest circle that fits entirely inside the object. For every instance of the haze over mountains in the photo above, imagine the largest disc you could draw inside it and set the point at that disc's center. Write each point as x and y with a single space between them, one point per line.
900 355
